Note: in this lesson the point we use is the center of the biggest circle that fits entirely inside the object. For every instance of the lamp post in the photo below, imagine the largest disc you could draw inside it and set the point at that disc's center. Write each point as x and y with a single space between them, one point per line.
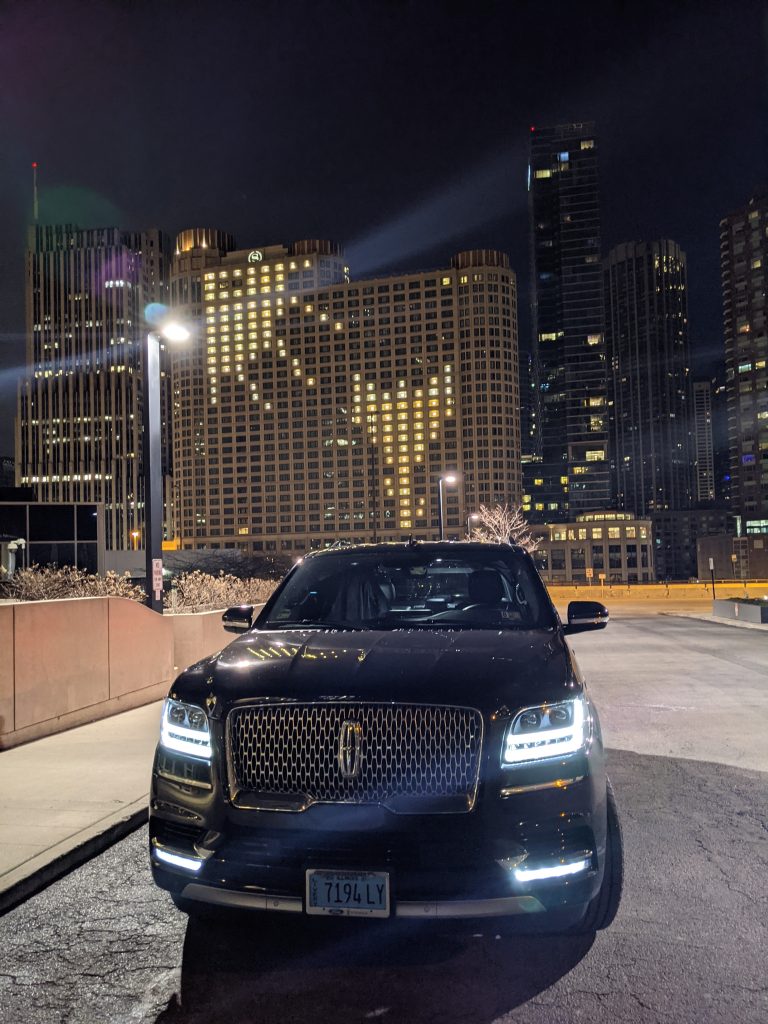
13 547
153 472
442 481
470 517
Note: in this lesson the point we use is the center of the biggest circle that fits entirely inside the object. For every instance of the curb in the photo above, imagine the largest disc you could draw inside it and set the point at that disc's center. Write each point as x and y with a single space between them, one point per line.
717 621
101 838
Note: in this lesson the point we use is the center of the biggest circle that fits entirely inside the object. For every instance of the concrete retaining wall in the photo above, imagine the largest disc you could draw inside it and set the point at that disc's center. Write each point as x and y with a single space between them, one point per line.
64 663
741 611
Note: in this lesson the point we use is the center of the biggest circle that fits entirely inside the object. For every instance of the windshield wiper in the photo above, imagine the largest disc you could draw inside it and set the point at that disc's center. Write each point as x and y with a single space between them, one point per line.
457 624
308 624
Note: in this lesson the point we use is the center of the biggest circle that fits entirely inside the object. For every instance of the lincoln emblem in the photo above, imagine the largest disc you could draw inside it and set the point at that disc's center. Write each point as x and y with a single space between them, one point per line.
350 758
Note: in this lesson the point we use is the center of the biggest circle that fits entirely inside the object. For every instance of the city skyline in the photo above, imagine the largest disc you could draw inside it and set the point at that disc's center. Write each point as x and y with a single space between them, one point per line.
426 206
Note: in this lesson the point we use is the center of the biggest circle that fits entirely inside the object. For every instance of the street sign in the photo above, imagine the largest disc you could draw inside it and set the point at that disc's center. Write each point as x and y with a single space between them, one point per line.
601 577
590 573
711 564
157 577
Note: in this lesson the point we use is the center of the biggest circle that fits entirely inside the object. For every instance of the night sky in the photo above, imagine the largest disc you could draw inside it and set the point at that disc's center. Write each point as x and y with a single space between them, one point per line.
398 127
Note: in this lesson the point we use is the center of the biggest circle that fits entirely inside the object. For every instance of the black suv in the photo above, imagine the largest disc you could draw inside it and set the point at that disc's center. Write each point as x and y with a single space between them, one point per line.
402 731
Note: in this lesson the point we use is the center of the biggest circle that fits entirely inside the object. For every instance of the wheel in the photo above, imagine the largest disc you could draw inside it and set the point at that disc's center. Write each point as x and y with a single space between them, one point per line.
603 907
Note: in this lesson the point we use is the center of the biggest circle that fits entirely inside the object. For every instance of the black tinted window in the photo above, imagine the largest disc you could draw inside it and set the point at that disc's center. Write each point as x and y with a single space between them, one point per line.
478 588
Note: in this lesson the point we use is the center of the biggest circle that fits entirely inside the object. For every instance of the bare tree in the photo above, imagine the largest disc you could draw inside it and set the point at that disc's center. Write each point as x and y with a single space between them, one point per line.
503 524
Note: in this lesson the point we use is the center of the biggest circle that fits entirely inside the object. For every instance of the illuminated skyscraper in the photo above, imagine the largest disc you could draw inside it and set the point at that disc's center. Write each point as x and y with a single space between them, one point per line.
78 434
646 319
704 464
744 267
316 408
567 470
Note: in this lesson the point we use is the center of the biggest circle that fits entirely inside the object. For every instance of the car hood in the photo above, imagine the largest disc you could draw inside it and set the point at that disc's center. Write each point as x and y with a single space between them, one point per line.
485 669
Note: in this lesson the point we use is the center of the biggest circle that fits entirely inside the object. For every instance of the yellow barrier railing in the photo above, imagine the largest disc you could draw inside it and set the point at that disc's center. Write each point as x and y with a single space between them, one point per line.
700 591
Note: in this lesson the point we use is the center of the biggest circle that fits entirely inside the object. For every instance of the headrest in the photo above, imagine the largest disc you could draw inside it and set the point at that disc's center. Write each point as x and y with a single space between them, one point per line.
485 587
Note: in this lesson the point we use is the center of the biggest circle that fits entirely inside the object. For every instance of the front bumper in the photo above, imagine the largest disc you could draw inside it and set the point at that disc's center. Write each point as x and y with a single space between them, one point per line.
450 865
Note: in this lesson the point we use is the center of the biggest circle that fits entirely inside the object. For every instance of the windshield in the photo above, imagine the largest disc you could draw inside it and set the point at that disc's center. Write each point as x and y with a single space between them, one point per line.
478 588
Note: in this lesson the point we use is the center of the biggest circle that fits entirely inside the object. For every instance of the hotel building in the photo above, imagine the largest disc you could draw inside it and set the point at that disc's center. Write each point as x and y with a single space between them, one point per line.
311 408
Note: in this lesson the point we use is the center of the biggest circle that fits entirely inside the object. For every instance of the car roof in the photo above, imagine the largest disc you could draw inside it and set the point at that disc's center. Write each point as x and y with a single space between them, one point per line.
445 547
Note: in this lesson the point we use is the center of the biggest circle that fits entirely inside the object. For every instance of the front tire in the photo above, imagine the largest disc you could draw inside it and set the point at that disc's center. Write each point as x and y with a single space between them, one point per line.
603 907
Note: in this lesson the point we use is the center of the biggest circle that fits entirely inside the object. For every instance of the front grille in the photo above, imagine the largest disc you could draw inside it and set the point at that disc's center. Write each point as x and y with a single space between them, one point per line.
405 757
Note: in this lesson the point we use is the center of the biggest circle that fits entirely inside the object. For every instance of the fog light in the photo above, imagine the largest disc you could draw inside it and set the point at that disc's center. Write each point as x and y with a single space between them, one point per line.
188 863
561 870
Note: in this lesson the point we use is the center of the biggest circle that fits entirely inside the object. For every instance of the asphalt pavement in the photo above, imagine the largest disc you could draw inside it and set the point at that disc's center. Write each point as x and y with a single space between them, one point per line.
689 943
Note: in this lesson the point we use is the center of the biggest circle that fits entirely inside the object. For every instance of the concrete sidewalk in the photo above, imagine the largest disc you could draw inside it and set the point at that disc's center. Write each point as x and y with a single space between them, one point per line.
64 798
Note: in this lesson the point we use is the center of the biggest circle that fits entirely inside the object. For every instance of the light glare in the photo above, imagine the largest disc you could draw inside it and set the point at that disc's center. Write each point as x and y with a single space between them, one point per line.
555 871
175 332
188 863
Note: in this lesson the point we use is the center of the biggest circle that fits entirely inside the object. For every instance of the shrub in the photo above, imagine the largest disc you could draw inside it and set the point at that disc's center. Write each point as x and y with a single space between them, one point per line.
191 591
199 591
49 582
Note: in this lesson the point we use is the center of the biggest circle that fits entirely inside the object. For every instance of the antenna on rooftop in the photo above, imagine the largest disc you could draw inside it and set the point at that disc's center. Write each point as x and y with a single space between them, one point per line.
35 208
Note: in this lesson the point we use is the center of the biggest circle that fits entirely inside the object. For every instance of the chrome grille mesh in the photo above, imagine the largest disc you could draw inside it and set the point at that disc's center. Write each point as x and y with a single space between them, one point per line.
404 752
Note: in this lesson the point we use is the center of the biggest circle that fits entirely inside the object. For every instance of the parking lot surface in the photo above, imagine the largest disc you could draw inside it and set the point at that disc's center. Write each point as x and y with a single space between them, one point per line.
688 944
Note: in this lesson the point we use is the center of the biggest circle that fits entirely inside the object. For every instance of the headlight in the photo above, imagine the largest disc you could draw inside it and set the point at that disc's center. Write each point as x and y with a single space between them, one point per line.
549 730
185 729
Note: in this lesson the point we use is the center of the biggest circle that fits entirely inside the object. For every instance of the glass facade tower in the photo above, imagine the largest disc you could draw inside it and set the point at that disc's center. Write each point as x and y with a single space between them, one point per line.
648 352
78 434
567 468
744 267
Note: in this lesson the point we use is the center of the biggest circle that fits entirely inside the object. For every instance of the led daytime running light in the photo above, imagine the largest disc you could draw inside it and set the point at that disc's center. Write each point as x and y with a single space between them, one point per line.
540 744
555 871
181 738
188 863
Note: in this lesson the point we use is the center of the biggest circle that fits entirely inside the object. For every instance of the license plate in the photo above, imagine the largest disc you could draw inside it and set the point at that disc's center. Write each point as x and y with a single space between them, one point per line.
348 893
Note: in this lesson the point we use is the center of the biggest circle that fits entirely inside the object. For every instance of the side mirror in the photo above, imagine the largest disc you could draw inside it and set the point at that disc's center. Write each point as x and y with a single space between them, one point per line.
238 619
584 615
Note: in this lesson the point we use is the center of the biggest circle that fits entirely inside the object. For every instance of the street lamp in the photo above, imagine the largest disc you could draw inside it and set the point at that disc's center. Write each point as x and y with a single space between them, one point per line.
153 472
13 547
443 480
470 517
